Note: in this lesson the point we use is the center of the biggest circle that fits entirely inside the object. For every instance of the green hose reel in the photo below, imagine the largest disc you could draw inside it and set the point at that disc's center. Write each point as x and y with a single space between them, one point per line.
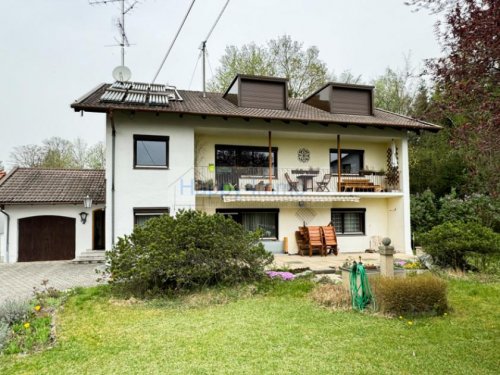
360 288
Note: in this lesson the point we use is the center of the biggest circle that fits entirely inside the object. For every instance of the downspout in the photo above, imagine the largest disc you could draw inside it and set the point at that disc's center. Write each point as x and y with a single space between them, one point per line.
113 142
7 235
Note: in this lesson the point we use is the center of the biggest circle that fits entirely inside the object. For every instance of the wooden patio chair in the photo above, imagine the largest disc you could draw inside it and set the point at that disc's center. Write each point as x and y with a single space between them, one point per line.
315 240
323 185
302 243
292 184
330 239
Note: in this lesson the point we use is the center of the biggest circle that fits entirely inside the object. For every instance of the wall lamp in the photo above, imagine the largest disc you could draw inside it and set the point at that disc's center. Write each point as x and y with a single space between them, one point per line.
83 217
87 203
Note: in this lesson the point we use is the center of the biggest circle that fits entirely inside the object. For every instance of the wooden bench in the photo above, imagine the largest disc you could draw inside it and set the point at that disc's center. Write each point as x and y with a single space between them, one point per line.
358 184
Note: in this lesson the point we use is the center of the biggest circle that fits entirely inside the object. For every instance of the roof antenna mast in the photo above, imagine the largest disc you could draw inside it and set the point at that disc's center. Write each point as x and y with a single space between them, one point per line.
203 47
126 7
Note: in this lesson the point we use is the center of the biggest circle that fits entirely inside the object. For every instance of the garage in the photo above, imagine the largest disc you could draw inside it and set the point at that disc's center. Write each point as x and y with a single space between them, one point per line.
46 238
52 214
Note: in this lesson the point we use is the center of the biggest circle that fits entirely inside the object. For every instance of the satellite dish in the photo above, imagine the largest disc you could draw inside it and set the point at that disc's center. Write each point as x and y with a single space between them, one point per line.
121 73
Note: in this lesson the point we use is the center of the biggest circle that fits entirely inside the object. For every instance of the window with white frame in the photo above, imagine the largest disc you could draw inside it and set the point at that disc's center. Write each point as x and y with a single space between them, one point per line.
141 215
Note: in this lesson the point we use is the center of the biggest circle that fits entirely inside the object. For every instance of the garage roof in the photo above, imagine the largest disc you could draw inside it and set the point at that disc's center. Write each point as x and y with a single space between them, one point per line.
52 186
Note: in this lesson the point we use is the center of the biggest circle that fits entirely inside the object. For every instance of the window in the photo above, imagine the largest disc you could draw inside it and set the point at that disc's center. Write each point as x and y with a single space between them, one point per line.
265 219
141 215
232 162
150 151
351 161
349 220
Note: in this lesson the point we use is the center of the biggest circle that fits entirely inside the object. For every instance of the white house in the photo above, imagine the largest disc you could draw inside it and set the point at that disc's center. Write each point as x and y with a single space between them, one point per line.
44 217
253 153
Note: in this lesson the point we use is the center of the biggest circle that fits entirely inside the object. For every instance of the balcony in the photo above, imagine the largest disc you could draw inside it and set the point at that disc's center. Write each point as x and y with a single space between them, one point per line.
291 181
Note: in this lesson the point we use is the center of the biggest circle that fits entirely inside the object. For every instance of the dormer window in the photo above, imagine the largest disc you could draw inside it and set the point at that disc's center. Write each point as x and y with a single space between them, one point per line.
343 99
258 92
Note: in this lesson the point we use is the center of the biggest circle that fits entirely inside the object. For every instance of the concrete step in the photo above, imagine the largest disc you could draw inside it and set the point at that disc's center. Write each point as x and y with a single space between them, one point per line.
91 256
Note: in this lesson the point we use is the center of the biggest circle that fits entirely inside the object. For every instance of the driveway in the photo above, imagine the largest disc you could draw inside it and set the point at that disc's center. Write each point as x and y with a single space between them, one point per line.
17 280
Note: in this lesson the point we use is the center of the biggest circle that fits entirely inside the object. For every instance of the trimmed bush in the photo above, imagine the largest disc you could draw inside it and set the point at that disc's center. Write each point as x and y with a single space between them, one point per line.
419 294
449 243
332 295
186 252
14 311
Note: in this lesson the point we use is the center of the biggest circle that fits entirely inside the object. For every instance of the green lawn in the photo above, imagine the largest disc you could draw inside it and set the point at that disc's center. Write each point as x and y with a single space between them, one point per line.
281 332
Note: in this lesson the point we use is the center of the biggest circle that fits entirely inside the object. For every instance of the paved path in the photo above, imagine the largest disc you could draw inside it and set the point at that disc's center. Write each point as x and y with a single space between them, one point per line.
17 280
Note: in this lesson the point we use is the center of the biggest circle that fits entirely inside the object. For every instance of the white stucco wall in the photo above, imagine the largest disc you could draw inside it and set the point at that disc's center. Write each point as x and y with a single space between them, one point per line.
381 219
192 137
142 188
83 232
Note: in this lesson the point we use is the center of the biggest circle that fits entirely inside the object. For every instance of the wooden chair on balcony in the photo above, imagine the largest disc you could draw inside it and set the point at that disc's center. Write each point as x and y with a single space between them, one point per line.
323 185
330 239
292 184
315 240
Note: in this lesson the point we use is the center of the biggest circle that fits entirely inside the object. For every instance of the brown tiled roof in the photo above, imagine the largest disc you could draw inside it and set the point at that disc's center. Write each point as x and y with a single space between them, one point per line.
215 105
53 186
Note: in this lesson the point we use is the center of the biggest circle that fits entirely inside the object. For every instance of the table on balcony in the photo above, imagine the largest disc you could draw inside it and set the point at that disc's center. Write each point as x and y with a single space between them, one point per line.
307 181
306 176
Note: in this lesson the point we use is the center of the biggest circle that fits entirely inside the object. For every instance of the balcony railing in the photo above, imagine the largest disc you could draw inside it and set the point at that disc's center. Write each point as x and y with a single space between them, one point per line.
287 180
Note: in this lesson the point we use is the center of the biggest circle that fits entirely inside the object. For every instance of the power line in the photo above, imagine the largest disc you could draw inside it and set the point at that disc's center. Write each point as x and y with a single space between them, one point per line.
173 41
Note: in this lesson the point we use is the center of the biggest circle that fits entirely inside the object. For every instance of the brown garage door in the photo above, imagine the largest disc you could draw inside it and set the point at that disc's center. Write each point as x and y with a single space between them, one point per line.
46 238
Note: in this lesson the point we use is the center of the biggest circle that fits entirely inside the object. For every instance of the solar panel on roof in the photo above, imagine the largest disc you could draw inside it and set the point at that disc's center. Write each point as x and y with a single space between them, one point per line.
157 99
135 98
113 96
157 88
140 93
121 85
139 86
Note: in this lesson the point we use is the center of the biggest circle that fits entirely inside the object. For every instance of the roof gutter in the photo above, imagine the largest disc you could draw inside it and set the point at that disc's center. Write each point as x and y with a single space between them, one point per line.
7 235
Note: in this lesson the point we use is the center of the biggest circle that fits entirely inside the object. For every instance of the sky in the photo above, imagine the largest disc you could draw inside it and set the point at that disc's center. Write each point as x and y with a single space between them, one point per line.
54 51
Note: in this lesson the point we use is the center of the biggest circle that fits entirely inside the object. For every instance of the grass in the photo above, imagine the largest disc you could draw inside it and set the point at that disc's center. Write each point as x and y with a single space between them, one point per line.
277 330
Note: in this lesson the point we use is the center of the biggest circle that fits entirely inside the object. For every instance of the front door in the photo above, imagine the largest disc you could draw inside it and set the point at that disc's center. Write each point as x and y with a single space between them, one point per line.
98 220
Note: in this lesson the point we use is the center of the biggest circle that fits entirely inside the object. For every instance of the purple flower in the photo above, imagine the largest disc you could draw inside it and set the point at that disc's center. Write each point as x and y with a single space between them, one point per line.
283 275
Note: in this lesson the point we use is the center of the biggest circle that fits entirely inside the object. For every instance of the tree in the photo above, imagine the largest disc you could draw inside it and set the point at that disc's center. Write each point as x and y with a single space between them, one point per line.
394 90
281 57
347 77
1 166
30 156
57 152
96 156
467 85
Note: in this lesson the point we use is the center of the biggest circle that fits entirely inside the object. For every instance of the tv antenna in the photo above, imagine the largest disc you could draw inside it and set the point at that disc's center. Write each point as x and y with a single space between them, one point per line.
203 47
126 6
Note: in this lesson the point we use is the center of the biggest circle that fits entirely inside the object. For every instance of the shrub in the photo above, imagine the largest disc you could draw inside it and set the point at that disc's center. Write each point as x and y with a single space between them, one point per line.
4 334
331 295
449 243
13 311
185 252
417 294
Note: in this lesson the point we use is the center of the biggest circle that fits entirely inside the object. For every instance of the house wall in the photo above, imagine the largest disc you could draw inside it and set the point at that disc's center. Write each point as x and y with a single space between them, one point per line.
192 142
83 232
381 220
142 188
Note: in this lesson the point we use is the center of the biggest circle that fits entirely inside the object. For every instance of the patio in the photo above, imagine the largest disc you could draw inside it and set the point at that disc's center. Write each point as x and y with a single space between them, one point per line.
319 264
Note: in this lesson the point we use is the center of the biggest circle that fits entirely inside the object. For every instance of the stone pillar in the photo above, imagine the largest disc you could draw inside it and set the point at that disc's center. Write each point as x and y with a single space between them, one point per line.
386 258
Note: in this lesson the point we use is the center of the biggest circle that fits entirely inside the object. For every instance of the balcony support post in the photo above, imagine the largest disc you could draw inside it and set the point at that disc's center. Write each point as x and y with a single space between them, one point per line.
339 163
